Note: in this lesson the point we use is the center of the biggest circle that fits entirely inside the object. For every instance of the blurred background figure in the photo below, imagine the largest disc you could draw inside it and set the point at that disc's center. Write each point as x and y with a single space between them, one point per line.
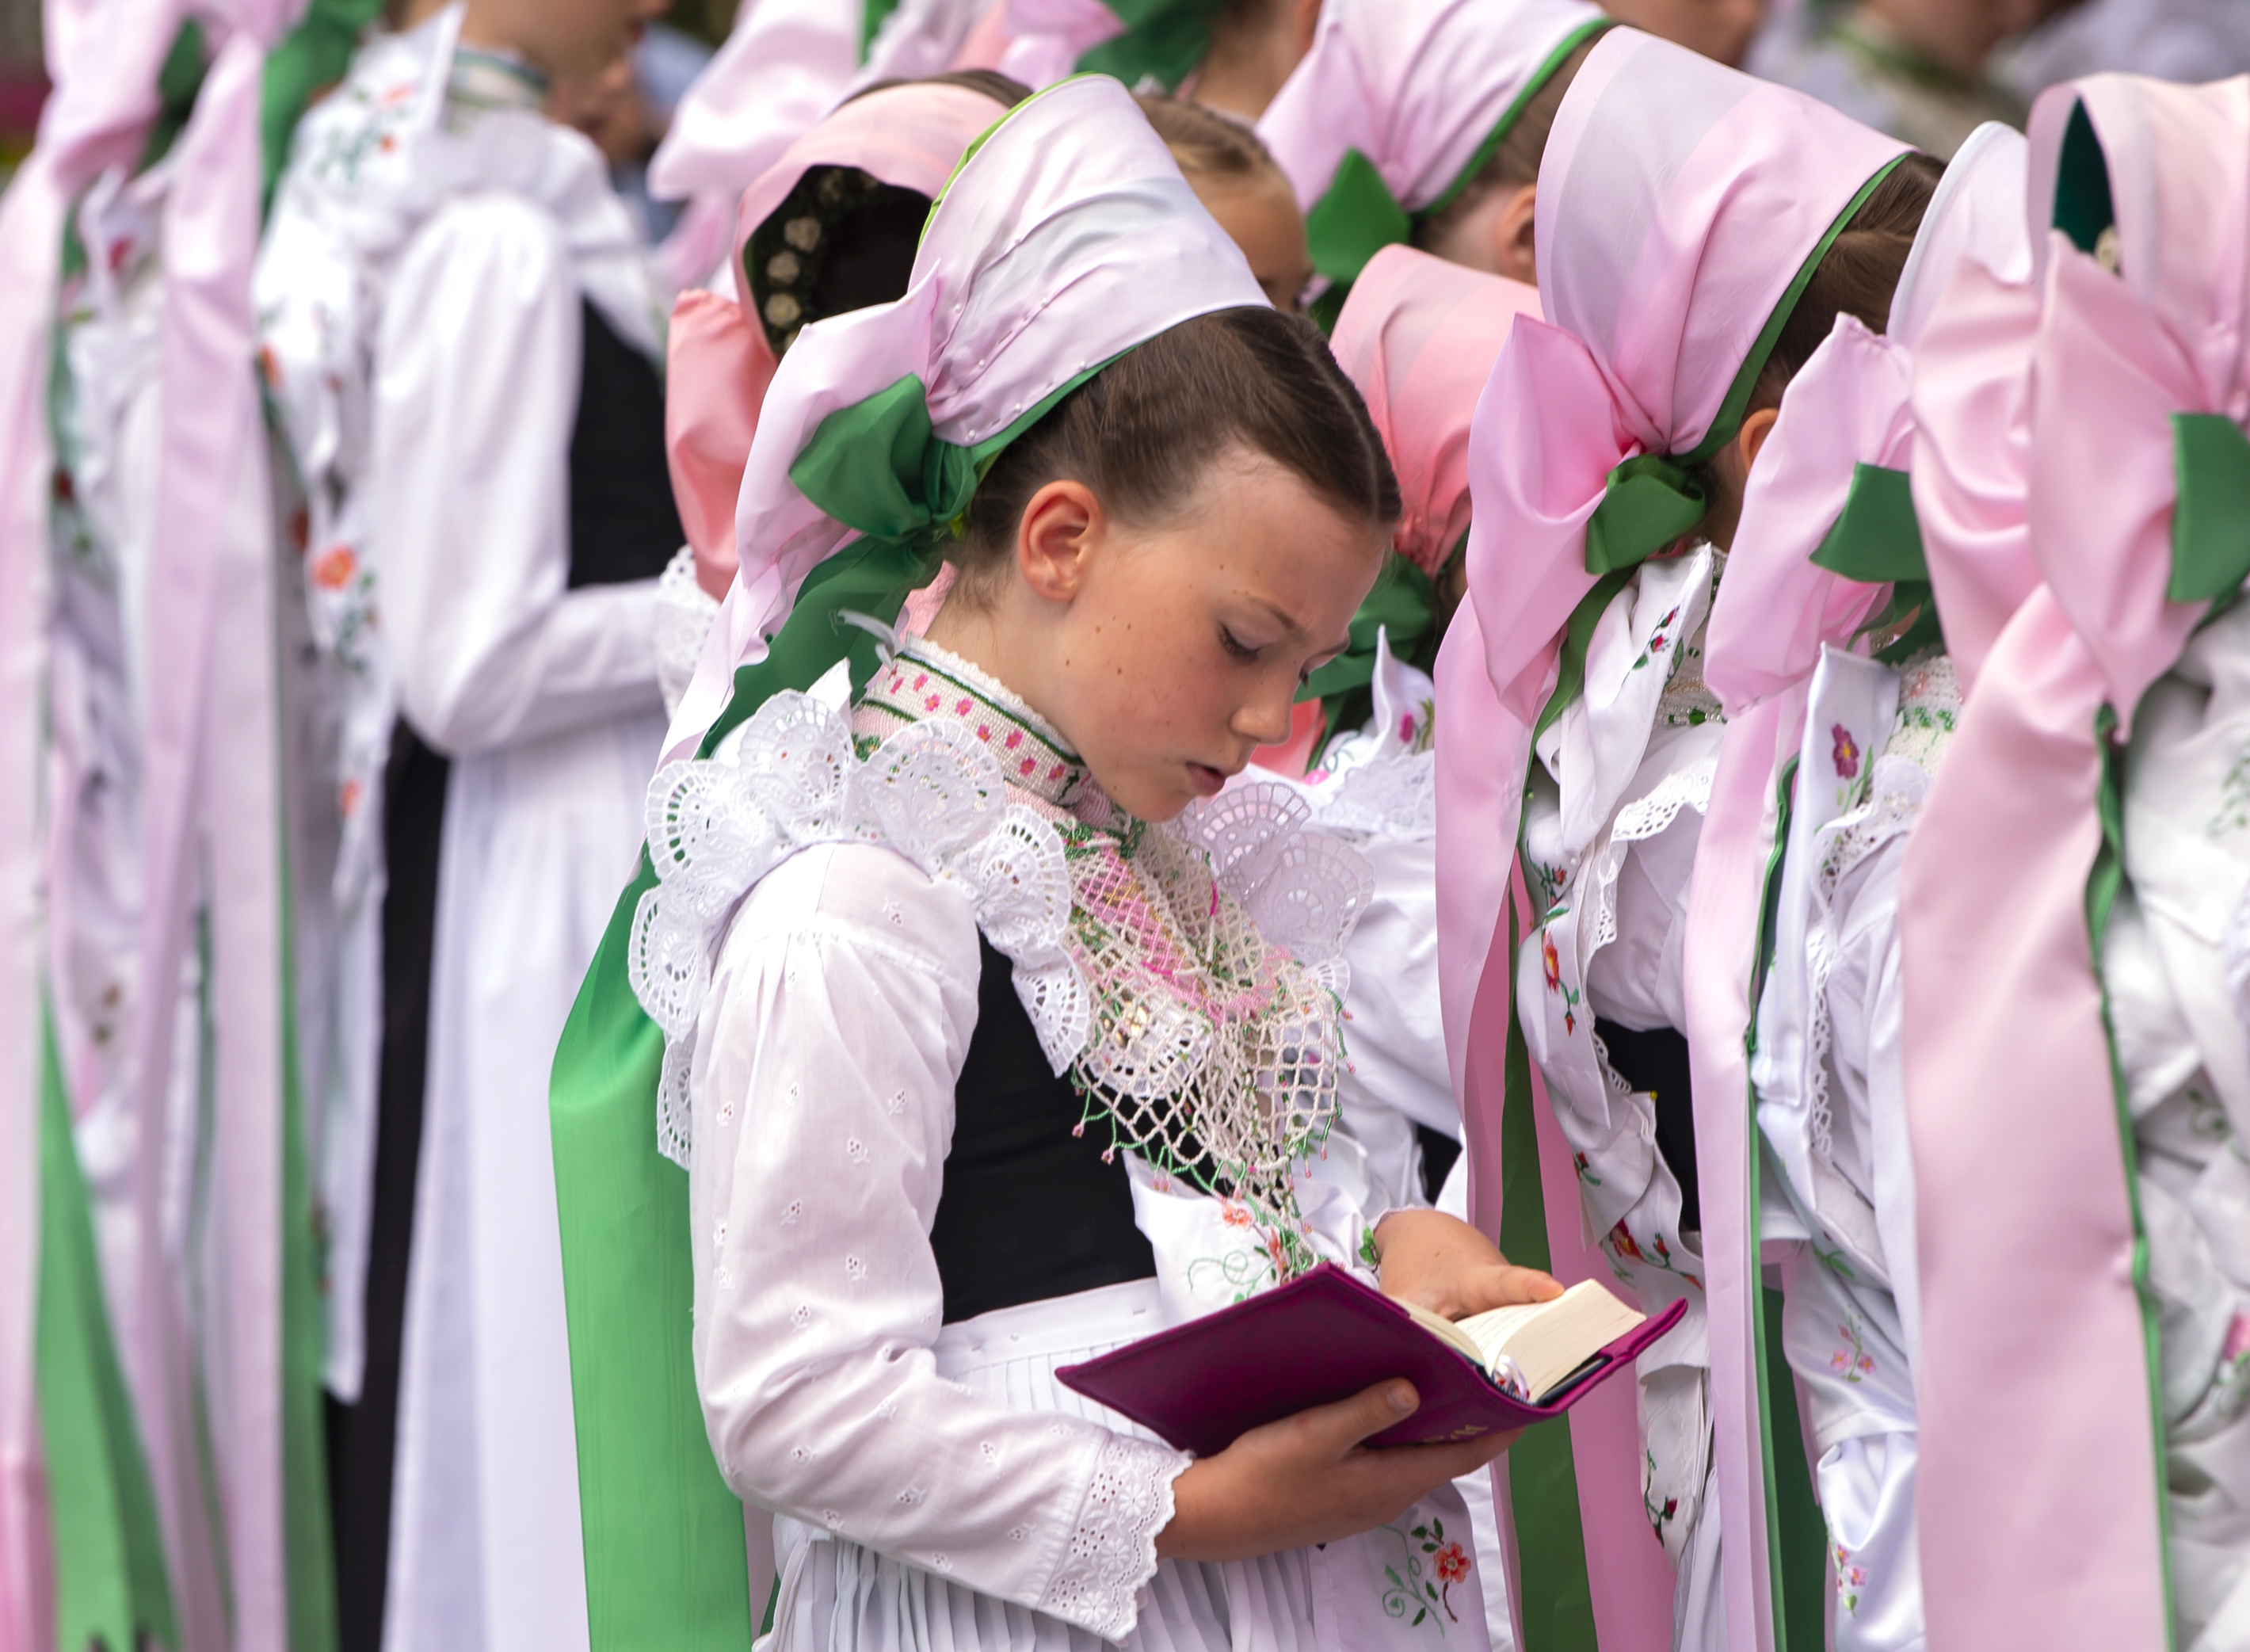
2186 40
626 110
1920 70
1720 29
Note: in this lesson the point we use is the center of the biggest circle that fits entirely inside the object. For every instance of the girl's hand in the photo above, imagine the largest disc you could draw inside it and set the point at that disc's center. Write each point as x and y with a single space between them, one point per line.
1438 1262
1307 1479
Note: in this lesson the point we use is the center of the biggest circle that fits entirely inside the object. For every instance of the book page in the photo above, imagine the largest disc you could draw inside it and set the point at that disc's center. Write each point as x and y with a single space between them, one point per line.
1548 1340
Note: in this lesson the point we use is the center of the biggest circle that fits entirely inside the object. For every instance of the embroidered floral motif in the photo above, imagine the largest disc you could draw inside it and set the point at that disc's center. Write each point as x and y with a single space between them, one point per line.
1851 1579
2234 812
1852 1359
1429 1564
1844 753
1579 1163
1551 962
1657 1518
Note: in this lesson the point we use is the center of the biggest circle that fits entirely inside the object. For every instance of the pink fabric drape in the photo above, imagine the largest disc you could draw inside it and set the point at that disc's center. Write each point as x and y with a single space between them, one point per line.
2035 1380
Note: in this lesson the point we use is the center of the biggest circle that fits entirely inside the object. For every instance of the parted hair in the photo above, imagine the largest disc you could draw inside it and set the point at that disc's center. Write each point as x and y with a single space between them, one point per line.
1143 432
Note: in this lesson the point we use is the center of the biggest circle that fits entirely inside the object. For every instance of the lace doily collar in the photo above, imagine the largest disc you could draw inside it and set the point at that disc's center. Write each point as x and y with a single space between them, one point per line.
925 684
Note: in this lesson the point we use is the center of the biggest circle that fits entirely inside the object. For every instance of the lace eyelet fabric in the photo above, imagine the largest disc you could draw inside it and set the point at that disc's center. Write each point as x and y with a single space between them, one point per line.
1190 977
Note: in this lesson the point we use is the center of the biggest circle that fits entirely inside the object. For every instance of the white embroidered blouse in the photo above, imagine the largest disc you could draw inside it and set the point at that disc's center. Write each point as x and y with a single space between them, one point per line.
821 1052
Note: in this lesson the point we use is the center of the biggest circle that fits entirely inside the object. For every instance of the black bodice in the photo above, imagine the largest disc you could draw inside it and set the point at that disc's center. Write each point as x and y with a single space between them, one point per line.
624 524
1029 1210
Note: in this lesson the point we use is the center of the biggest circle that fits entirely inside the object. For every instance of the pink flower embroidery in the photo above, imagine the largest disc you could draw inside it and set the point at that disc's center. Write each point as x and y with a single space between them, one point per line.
1451 1563
333 568
1026 766
1846 756
1622 1243
1406 737
1234 1214
1553 962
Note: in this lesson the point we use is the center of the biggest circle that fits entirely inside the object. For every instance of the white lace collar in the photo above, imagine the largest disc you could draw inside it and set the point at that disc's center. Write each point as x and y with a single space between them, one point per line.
1188 977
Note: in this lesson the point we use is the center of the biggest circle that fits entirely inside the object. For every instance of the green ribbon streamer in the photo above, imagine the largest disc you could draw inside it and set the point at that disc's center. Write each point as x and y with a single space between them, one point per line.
663 1534
1557 1604
2210 518
110 1583
873 16
1796 1535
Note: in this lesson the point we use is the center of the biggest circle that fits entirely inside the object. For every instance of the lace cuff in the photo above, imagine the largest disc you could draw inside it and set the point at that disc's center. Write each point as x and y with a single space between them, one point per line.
684 614
1112 1550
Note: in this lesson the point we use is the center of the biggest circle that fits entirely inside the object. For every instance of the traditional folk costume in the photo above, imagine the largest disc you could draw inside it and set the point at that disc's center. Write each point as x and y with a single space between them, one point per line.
461 336
1397 108
2071 908
1865 701
157 1252
1683 207
973 962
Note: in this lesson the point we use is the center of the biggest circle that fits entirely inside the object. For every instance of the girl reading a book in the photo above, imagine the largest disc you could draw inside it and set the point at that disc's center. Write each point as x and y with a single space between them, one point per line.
993 1042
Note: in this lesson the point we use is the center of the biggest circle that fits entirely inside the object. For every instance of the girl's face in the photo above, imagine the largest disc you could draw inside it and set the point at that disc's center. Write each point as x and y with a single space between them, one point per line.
1167 654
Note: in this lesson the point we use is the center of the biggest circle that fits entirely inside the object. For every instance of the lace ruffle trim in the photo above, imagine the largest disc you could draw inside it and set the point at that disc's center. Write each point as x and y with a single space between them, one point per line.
930 792
1112 1550
684 613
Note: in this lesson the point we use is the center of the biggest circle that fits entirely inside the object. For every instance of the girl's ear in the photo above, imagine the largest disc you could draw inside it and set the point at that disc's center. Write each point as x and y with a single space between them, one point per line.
1751 437
1512 254
1054 539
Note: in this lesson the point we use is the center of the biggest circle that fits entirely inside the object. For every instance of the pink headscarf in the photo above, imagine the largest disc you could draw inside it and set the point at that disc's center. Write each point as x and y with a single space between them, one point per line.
1418 336
1417 87
1678 201
721 363
1775 609
2035 1379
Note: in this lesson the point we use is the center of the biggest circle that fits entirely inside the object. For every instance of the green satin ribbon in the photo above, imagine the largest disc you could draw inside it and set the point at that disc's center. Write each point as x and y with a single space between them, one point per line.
1402 605
2210 517
1358 216
1164 41
311 57
110 1584
1877 541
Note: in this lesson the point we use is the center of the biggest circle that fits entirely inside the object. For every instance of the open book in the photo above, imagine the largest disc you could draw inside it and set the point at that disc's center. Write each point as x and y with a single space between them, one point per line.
1326 1337
1534 1351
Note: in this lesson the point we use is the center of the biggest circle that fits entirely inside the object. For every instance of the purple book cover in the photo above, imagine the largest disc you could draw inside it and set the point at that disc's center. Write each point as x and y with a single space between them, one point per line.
1322 1337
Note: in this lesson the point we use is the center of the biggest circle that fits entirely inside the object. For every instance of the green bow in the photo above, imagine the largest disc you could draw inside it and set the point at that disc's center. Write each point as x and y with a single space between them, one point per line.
1877 541
1403 604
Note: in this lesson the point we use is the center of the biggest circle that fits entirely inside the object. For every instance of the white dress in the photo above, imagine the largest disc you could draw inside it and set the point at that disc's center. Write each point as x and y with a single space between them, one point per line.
442 239
935 1487
1611 818
2174 966
1830 1085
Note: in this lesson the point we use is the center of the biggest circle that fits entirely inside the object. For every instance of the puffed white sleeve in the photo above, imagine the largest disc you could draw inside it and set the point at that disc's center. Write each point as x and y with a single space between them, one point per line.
827 1049
476 395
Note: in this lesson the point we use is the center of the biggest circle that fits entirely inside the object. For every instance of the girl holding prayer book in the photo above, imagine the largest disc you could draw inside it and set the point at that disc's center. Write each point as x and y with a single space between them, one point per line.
991 1042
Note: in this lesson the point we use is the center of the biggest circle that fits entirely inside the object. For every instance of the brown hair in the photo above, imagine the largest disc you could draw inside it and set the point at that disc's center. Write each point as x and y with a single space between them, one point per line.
1002 89
1141 431
1858 273
1207 145
1516 162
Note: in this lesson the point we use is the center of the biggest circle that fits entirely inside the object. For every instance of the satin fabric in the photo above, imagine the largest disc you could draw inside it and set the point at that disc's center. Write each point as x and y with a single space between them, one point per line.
1776 611
1418 336
2042 1373
721 363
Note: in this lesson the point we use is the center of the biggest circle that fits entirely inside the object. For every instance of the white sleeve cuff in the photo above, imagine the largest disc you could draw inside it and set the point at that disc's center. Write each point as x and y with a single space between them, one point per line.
1112 1550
